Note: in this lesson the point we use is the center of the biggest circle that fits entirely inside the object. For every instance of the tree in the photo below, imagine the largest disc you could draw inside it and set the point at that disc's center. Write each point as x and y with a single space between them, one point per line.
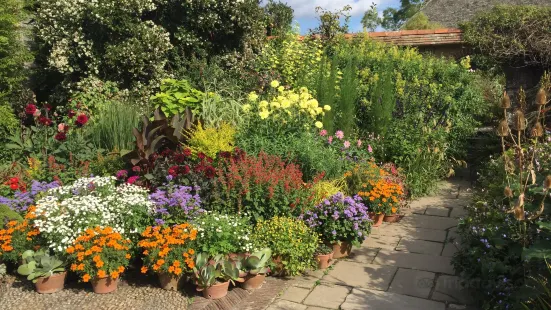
330 22
420 21
279 17
371 19
393 19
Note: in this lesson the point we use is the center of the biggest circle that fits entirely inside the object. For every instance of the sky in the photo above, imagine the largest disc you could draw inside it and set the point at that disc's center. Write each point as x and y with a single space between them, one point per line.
305 10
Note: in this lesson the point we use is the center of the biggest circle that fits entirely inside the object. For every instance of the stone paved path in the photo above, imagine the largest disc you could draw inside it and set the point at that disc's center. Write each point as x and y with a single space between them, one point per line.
402 266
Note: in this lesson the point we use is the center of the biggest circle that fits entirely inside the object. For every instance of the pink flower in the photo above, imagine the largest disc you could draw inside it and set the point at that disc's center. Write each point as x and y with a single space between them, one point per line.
346 144
330 139
339 134
132 180
359 143
61 127
323 133
369 149
37 113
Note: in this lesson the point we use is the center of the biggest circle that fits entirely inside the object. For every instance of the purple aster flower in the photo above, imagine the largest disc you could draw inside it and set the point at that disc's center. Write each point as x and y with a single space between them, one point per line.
160 222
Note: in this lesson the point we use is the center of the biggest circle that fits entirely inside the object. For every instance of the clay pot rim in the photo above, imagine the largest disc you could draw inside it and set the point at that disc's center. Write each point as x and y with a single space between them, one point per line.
55 275
200 289
326 254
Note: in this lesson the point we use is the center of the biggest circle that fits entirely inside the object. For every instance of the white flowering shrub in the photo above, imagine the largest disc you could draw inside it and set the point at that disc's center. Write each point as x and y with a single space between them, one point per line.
106 38
222 233
66 211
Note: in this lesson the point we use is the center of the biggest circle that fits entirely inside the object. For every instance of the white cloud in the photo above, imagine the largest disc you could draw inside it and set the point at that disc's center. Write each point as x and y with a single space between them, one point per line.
307 8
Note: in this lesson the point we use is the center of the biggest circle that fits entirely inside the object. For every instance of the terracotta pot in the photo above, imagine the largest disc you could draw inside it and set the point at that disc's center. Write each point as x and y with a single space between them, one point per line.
216 291
341 250
104 285
378 219
391 218
252 282
324 260
51 284
170 282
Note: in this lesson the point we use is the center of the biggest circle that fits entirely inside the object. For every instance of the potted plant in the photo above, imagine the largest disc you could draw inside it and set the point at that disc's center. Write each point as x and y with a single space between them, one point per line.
384 197
100 255
341 222
324 255
47 272
167 252
254 268
17 237
292 243
213 276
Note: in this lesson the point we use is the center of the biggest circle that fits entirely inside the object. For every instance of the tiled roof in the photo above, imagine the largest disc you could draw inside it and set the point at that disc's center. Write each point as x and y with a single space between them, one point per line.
415 37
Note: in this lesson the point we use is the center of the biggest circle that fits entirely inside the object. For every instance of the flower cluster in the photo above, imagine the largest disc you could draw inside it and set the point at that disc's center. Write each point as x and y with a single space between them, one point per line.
340 218
382 195
287 106
67 211
176 204
351 150
263 186
17 237
223 234
168 249
99 253
22 199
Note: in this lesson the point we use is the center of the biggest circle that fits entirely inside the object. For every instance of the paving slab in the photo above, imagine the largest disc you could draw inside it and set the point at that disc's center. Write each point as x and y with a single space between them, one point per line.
316 308
361 275
430 222
449 289
414 283
398 230
362 299
381 242
458 212
327 296
286 305
363 255
420 246
431 263
449 249
295 294
437 211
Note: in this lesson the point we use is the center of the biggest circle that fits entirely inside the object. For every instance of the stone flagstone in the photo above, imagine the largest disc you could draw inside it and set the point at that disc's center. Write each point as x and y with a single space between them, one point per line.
437 211
449 289
362 299
361 275
398 230
381 242
440 264
327 296
426 221
420 246
286 305
413 283
295 294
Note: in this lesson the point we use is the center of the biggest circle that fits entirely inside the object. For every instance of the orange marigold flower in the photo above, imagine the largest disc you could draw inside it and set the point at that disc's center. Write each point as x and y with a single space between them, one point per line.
114 274
86 278
102 274
176 263
171 269
160 262
73 267
144 269
121 269
99 264
191 251
127 256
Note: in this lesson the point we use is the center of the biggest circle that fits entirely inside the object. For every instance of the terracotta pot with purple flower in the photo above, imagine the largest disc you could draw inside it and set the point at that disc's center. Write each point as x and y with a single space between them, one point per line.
342 222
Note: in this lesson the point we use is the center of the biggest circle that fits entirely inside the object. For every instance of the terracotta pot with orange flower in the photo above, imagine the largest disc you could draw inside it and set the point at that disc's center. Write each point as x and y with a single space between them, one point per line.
18 237
384 198
100 256
167 252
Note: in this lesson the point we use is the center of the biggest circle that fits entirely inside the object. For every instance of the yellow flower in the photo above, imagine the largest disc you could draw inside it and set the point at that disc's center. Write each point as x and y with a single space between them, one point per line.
275 105
313 103
327 107
253 96
264 114
274 84
281 88
285 104
263 104
319 124
246 107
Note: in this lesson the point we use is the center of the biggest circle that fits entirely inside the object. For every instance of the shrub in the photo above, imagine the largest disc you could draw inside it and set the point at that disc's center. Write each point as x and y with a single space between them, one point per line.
292 243
175 204
211 141
176 96
17 237
263 187
99 253
222 234
168 249
339 218
66 211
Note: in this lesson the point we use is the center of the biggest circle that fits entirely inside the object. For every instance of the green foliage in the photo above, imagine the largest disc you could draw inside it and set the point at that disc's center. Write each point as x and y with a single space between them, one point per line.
512 34
39 264
293 244
420 21
209 272
8 126
210 141
330 25
371 18
256 263
222 234
112 127
279 17
7 214
393 18
13 52
176 96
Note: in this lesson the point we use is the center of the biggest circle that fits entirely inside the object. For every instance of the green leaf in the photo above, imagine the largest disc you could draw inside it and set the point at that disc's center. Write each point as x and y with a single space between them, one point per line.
541 249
